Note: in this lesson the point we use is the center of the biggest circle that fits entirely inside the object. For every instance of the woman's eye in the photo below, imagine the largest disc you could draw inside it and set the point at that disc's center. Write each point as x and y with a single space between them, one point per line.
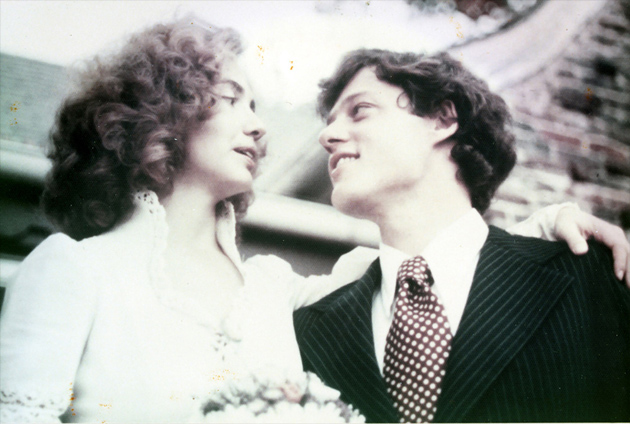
231 99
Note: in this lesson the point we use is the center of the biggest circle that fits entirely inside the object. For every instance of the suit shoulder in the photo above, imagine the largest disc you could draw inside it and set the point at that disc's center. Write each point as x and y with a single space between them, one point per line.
534 249
542 251
305 316
597 260
595 266
593 273
324 303
367 283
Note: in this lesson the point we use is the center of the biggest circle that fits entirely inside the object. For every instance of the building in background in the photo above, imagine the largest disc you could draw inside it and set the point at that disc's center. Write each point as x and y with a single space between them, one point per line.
565 71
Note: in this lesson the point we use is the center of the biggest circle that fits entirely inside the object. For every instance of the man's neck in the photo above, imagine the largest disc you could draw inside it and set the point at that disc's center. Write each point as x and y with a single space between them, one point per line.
409 225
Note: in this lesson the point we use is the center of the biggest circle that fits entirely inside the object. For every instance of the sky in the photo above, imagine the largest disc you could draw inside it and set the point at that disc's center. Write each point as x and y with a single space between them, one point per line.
291 44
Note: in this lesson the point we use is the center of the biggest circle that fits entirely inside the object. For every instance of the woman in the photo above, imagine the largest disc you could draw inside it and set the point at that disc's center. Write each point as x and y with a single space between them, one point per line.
143 305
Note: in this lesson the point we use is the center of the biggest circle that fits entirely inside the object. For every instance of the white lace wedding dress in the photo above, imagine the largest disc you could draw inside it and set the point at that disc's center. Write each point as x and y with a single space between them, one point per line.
94 331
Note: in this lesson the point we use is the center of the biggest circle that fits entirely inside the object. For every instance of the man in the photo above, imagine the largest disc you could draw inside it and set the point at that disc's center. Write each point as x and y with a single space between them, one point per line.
482 326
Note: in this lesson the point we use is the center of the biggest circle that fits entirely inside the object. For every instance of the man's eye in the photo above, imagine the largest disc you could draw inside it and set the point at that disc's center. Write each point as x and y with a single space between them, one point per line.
359 109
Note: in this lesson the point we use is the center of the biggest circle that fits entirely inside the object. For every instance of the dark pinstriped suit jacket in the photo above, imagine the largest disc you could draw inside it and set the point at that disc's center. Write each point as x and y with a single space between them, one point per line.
545 336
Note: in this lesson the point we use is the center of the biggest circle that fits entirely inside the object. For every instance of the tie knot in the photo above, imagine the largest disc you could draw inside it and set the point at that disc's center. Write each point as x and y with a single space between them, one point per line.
415 269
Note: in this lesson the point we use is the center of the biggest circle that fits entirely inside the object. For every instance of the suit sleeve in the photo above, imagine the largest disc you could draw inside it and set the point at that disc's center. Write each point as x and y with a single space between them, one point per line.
45 323
611 302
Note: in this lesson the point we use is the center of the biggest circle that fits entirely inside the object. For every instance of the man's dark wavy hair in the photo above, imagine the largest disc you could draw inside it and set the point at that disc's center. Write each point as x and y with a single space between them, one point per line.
484 143
126 126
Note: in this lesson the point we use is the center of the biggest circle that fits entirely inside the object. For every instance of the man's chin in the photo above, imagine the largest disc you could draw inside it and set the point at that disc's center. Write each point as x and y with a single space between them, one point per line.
347 203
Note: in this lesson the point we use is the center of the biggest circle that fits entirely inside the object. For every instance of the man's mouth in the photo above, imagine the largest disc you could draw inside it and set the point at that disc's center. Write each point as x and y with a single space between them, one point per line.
341 159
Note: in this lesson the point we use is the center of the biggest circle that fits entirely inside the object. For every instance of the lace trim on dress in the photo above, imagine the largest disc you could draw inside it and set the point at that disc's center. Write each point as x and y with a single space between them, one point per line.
229 330
30 406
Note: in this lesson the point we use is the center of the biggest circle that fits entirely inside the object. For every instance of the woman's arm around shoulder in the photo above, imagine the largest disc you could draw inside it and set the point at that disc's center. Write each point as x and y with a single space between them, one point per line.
46 318
307 290
568 223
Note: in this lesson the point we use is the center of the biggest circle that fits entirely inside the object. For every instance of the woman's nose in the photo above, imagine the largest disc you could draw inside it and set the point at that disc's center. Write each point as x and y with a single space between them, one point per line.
255 127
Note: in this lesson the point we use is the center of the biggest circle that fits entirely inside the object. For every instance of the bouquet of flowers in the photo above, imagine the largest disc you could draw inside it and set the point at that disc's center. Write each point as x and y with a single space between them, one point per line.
256 398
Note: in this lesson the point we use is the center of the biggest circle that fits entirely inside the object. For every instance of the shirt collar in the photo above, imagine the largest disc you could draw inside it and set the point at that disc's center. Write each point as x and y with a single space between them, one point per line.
449 255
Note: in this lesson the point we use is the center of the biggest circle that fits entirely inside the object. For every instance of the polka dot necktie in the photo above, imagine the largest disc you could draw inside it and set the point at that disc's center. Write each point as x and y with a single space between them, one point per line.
418 344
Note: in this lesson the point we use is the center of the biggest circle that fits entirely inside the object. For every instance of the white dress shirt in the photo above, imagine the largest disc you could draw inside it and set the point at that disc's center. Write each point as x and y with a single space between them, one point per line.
452 257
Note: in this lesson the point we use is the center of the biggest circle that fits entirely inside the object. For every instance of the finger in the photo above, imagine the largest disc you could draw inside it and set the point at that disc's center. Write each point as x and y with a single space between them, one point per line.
573 236
616 240
578 246
620 257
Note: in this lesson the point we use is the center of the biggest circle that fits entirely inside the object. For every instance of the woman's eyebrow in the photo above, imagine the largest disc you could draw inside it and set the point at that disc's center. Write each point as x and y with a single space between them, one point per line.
238 89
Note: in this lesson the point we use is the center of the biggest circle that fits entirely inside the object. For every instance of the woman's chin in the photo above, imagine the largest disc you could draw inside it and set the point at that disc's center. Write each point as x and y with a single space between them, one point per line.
236 183
237 188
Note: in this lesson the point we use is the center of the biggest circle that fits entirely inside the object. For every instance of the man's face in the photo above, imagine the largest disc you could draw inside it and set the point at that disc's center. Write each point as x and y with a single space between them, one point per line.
378 147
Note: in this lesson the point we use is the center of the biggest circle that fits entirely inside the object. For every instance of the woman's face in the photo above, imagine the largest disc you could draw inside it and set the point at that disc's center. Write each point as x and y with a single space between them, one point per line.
223 154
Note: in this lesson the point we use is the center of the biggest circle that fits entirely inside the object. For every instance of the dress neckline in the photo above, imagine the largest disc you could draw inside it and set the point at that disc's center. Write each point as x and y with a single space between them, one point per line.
148 206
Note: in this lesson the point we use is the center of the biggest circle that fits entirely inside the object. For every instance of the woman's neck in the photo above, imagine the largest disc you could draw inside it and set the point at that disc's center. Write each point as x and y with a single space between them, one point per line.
191 218
194 261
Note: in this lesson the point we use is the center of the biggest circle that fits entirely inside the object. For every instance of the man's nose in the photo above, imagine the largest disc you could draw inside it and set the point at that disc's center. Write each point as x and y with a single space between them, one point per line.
333 134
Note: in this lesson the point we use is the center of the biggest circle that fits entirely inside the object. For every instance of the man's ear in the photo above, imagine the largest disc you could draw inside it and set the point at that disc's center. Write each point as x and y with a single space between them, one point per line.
446 119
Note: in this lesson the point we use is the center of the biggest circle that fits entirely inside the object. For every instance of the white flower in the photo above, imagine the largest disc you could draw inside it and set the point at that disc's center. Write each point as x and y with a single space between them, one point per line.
320 391
274 397
231 415
258 406
273 394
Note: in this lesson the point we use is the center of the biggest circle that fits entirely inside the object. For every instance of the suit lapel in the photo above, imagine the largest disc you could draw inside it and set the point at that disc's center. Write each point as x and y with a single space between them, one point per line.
510 296
340 345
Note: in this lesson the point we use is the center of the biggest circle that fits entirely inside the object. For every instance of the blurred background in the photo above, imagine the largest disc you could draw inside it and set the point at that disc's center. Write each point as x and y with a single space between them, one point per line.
562 65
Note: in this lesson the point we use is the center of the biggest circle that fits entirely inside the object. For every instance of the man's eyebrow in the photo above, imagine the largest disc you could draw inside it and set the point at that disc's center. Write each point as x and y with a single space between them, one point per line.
236 86
331 118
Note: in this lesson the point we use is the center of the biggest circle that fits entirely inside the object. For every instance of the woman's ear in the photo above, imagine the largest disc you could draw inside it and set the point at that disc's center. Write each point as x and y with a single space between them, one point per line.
446 119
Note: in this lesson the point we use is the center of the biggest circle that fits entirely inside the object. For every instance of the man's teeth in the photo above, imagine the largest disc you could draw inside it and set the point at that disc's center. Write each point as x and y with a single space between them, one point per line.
345 159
